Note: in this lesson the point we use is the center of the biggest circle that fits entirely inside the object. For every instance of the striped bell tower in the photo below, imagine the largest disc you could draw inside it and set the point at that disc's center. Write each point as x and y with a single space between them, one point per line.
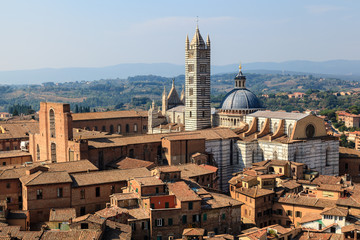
197 83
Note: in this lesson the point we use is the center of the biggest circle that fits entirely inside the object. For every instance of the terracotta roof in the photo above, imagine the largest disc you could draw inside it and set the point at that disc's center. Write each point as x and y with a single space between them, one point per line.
208 134
335 211
112 211
137 214
209 167
14 153
182 191
91 134
129 163
310 216
107 176
349 201
14 231
306 201
168 169
62 214
41 178
327 179
108 115
255 235
305 235
349 153
17 214
73 166
331 187
124 196
192 170
19 130
241 177
350 228
254 192
218 200
290 184
89 218
117 231
149 181
193 232
72 234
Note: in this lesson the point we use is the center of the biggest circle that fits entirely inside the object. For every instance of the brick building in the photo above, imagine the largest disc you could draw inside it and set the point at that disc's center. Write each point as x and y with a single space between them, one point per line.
13 133
350 120
349 163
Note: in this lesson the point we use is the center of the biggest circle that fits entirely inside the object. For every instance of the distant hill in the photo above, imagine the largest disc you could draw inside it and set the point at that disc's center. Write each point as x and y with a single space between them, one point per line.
345 69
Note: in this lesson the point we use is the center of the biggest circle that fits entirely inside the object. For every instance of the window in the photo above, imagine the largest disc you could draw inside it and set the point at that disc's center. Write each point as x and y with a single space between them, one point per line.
259 214
202 103
279 212
119 128
166 204
103 128
346 166
53 152
340 218
131 153
190 205
203 68
8 185
196 218
310 131
203 92
223 216
184 219
202 79
157 190
135 127
204 217
133 226
144 127
82 211
203 114
144 225
191 91
327 155
37 152
159 222
112 189
52 123
39 194
97 192
289 213
84 226
288 223
280 170
82 194
170 221
111 129
152 206
191 67
4 163
191 103
8 199
60 192
190 114
127 128
298 214
191 80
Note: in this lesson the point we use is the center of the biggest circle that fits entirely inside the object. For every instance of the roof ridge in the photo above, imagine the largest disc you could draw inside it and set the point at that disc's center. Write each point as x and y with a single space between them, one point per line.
32 179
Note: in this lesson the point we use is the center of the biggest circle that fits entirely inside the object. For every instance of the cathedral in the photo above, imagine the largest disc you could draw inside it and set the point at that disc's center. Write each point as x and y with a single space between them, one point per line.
262 135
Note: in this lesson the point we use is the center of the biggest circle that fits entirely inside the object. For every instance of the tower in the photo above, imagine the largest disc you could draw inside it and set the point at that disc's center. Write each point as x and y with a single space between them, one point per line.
197 83
164 102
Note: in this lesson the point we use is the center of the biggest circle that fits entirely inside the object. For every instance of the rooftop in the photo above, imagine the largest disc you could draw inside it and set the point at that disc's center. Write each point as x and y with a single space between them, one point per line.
18 130
254 192
107 176
335 211
89 218
310 217
279 115
42 178
130 163
149 181
182 191
192 170
107 115
112 211
306 201
62 214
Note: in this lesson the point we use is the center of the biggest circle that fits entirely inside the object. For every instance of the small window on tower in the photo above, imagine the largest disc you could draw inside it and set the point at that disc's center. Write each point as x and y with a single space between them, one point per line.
190 114
203 114
191 80
202 79
191 67
203 103
203 68
191 103
190 92
203 92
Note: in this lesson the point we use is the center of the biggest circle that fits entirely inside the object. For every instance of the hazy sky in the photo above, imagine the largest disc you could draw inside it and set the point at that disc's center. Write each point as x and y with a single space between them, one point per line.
67 33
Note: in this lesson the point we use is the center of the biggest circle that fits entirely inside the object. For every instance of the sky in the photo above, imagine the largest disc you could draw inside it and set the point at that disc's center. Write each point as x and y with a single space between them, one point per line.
84 33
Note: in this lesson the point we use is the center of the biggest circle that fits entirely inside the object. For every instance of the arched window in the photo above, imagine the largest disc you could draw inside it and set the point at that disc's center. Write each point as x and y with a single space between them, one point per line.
119 128
203 114
135 127
275 156
95 128
103 129
275 126
190 114
53 152
327 151
290 129
310 131
127 128
111 129
52 123
37 152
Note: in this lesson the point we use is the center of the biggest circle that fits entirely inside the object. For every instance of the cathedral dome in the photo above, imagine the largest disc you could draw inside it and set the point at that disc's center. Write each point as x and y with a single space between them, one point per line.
240 99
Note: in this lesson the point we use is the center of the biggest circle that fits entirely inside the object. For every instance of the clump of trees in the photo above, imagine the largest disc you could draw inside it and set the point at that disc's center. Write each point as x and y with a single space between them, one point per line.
18 109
